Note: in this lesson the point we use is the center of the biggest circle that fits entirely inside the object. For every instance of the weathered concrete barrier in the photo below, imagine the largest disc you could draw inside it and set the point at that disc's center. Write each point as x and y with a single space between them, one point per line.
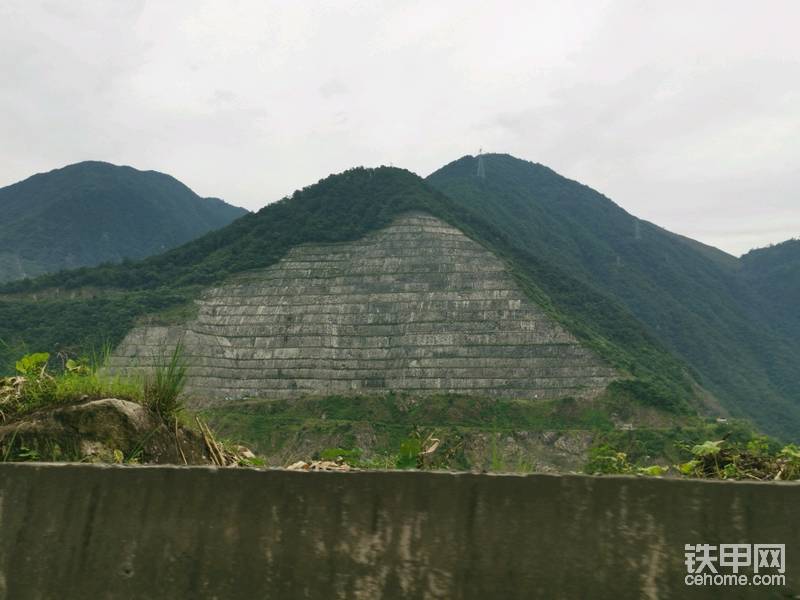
90 532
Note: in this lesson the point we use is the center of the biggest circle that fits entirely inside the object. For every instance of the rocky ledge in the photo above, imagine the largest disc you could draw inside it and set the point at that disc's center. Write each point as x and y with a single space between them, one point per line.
107 430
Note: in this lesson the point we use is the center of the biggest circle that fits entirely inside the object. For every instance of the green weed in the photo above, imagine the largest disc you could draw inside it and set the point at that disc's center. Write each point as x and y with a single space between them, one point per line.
163 387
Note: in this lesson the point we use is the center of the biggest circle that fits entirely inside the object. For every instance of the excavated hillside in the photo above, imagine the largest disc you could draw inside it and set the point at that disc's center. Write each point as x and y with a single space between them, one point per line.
371 314
414 307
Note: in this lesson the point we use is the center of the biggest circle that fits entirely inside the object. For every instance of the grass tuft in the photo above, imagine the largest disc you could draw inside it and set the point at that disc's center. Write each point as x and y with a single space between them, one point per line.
163 387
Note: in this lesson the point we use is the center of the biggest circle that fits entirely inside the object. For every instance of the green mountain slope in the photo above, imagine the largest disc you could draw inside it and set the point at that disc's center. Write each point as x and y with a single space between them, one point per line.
692 297
774 274
94 212
75 310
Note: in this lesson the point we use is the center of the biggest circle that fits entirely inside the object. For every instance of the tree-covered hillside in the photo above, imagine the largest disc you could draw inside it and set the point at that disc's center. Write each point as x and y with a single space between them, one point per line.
697 300
774 274
661 307
94 212
75 310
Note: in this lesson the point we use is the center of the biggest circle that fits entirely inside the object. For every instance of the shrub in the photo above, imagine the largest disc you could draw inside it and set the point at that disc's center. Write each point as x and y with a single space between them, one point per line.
35 386
351 457
754 460
410 449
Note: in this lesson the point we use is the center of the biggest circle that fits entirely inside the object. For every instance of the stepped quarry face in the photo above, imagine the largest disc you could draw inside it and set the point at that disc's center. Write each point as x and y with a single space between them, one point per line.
416 307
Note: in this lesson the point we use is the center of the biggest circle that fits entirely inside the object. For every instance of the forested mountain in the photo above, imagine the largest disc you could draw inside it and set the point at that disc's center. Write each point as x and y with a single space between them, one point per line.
774 274
680 318
727 318
75 310
95 212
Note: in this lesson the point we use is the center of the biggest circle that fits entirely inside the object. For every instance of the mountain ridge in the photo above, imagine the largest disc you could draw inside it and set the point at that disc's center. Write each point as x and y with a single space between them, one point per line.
92 212
672 313
342 207
690 296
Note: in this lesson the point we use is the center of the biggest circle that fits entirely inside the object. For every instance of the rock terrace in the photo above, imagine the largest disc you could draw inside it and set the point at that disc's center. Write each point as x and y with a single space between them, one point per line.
416 307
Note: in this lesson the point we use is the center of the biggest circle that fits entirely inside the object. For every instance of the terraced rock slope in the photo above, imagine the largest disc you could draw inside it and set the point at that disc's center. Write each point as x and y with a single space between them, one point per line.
416 306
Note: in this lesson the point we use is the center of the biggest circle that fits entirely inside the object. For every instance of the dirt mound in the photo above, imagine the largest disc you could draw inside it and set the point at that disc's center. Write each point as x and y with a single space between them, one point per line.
108 430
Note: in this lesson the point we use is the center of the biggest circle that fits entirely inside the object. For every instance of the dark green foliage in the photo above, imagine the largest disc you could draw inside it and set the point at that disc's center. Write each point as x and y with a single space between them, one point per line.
351 456
649 392
43 381
759 459
340 208
92 212
74 325
734 322
774 274
401 425
396 416
409 451
431 411
672 444
702 450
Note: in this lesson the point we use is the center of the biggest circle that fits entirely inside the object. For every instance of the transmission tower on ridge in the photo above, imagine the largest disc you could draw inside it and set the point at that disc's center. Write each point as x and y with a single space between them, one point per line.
481 166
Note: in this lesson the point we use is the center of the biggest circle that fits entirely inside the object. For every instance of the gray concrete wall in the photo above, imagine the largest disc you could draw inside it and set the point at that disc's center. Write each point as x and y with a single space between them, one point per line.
416 307
92 532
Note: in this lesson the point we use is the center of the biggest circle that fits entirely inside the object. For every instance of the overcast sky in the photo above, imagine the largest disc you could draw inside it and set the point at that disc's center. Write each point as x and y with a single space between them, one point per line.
685 113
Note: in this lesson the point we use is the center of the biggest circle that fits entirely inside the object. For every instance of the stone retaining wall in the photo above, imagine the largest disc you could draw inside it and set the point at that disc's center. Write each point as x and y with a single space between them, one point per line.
415 307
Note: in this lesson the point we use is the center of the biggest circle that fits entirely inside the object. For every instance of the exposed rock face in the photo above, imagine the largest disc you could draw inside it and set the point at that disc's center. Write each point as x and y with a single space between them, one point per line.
416 307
